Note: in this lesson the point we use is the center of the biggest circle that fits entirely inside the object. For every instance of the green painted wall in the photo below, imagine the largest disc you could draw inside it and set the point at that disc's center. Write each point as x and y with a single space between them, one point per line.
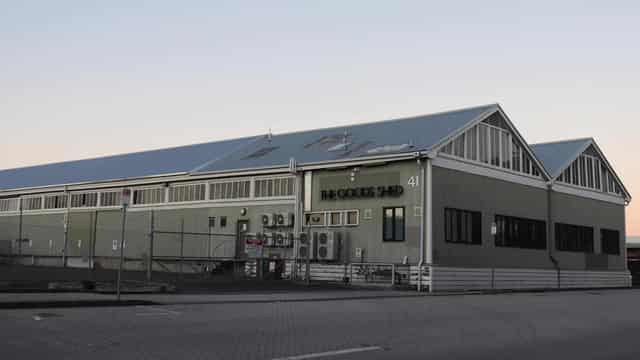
368 235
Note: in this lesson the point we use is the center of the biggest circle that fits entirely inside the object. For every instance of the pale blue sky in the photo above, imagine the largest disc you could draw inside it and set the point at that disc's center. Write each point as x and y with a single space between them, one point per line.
80 79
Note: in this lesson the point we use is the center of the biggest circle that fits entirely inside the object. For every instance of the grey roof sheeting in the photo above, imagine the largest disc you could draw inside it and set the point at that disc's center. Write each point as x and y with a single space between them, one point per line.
419 133
555 156
141 164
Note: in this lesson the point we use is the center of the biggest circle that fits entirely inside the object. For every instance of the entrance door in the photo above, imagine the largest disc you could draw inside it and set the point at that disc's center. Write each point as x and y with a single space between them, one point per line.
242 227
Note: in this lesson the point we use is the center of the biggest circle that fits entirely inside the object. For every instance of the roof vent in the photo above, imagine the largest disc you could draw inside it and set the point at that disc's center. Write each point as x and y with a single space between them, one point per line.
389 148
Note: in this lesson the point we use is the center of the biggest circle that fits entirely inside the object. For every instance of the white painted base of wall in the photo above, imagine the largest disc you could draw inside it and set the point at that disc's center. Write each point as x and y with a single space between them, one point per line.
461 279
356 274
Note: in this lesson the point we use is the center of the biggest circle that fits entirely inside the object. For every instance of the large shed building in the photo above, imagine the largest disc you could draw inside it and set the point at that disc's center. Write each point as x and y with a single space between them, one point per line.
458 197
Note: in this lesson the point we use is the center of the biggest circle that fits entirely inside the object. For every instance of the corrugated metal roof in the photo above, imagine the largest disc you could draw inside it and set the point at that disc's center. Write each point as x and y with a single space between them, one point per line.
385 137
147 163
555 156
346 142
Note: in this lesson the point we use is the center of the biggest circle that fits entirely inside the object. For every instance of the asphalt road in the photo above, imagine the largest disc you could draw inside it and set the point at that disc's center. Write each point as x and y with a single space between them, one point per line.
599 324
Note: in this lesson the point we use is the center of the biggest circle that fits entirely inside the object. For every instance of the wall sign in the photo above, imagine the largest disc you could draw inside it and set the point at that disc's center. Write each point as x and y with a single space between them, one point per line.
367 192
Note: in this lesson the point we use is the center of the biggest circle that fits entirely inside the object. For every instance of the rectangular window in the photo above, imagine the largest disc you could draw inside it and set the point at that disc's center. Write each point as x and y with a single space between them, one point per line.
352 217
32 203
315 219
612 185
335 218
596 168
516 153
583 172
472 144
574 238
190 192
566 176
227 190
278 187
526 163
148 196
610 241
393 224
483 137
12 204
495 146
506 151
589 165
520 233
462 226
84 200
212 221
110 198
458 146
448 149
575 173
535 171
55 201
223 221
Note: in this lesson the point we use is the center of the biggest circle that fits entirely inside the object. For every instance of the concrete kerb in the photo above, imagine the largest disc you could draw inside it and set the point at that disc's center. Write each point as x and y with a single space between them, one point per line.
225 299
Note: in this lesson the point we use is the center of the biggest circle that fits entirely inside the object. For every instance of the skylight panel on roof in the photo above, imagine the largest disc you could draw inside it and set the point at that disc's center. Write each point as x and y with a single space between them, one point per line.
389 149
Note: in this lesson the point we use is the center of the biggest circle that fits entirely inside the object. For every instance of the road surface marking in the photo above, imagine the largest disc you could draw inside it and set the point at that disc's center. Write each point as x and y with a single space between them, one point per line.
330 353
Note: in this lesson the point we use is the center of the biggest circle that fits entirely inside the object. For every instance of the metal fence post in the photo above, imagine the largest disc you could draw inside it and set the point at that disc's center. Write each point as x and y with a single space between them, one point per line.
151 234
308 263
181 247
92 249
20 236
124 223
393 274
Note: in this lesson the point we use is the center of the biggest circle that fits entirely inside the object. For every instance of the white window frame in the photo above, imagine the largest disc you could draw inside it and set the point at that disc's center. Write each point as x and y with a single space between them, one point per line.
212 183
62 195
118 193
9 205
596 164
292 179
329 218
150 187
84 193
346 217
510 138
186 185
324 216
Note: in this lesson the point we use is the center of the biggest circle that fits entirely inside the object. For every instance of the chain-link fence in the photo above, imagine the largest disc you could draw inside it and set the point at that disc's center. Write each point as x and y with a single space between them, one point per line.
83 249
90 246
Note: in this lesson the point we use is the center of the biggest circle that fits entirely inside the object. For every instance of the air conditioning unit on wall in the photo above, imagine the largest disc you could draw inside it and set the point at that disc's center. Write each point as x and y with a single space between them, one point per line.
305 247
269 239
280 239
284 219
268 220
289 239
328 245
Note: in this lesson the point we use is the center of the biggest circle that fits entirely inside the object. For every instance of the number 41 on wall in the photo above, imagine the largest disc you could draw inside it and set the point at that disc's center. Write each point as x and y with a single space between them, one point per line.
414 181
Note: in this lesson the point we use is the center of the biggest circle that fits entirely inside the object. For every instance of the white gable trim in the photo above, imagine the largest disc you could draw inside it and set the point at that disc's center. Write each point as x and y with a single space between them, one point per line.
512 128
603 160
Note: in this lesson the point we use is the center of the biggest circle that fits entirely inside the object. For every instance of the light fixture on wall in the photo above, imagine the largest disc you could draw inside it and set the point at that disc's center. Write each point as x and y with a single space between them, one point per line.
243 212
354 171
